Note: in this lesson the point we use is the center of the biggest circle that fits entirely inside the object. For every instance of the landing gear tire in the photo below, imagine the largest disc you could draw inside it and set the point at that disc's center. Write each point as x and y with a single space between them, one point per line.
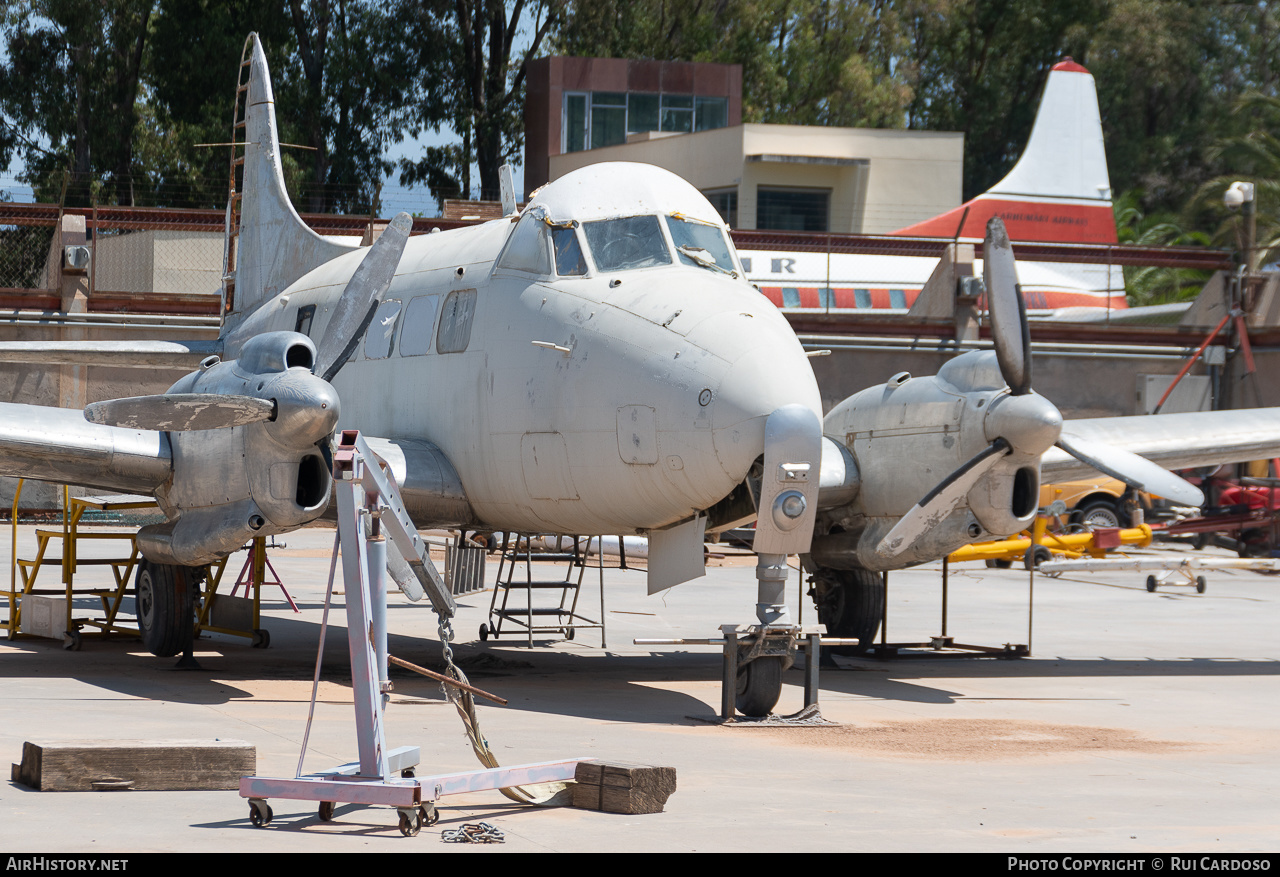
1099 514
1151 584
1201 584
165 597
759 686
850 603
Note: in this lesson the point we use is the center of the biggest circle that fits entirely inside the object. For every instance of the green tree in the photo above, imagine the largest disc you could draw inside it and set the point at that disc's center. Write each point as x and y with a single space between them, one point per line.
809 62
979 66
1150 285
1251 156
68 94
474 81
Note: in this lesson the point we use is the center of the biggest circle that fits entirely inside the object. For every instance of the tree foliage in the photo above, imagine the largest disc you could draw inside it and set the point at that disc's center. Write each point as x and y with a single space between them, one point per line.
110 98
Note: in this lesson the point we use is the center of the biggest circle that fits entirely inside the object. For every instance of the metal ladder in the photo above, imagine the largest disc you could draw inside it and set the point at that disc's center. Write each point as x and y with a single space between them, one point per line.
563 618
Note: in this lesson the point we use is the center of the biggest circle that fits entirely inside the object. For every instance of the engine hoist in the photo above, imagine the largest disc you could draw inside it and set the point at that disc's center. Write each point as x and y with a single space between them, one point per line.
364 494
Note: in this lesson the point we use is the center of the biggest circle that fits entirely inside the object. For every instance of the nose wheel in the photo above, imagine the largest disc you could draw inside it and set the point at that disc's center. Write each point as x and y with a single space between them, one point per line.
759 686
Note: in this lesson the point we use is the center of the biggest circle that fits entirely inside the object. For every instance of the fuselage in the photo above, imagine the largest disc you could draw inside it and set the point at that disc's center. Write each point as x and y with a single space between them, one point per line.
602 401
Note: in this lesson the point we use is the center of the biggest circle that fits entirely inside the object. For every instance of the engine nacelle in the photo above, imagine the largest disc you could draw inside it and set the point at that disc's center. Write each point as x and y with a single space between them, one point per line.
230 485
909 435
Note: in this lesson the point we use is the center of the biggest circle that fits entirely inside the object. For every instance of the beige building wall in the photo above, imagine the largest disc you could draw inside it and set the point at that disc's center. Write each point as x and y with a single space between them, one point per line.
159 260
880 180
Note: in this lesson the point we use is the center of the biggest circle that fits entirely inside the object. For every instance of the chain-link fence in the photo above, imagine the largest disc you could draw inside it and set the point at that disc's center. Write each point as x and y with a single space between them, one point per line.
132 251
25 257
148 250
146 260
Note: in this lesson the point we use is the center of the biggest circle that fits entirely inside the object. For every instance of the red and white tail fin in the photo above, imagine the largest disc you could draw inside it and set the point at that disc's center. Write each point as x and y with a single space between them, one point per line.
1059 190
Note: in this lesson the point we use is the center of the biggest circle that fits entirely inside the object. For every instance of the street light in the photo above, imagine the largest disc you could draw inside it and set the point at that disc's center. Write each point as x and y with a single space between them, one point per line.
1240 195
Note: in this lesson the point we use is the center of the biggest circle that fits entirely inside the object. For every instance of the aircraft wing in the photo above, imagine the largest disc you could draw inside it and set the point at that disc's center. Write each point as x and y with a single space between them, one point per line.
137 354
1174 441
59 445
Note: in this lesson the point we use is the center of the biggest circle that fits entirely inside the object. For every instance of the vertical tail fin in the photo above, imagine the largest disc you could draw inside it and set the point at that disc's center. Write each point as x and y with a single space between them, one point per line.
272 245
1059 190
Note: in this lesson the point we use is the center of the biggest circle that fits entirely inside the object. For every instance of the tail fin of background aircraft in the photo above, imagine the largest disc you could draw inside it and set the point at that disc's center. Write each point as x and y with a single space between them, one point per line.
273 246
1059 190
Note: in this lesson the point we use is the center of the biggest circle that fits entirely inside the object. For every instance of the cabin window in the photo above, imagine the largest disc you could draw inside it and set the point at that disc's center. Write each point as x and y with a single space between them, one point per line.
627 243
527 248
303 324
455 321
382 330
692 236
569 259
419 321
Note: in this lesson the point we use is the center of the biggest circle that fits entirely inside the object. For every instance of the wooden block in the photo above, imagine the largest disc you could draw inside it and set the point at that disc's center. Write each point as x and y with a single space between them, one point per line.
618 787
188 765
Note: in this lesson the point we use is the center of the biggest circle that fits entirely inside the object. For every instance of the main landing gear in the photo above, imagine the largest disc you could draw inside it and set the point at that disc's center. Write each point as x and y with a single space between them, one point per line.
851 604
166 601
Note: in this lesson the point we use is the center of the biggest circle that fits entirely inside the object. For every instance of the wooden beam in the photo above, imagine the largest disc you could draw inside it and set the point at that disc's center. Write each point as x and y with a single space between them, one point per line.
89 765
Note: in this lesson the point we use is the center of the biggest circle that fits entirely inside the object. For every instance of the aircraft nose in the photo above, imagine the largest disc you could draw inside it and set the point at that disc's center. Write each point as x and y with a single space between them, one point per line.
768 370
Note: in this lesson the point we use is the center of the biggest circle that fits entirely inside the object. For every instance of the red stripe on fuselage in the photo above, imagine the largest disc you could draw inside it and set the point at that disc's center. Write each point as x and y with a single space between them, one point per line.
1025 221
844 299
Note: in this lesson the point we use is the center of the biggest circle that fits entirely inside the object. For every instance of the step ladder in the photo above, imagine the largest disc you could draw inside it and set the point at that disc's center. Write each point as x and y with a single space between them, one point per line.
569 555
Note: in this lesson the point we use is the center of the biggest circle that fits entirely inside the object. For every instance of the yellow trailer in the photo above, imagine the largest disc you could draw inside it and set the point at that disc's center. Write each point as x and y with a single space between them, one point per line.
1033 547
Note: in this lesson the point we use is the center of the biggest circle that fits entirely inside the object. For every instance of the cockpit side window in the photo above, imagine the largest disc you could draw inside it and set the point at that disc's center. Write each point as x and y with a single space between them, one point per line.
569 259
527 249
627 243
691 236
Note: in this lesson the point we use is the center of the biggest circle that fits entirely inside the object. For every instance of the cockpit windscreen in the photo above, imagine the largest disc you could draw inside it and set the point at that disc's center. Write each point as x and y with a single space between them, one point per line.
701 240
627 243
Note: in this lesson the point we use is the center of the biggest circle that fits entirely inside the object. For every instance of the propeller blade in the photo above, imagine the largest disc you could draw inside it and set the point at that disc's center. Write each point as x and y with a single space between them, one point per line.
939 502
358 302
179 412
1137 472
1009 329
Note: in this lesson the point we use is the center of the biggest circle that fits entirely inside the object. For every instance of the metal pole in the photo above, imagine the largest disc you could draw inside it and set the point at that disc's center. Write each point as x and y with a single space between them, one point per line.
729 685
376 558
944 596
812 648
364 679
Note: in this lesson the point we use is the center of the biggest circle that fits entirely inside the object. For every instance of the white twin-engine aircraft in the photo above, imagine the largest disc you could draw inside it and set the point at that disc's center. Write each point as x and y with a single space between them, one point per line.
596 365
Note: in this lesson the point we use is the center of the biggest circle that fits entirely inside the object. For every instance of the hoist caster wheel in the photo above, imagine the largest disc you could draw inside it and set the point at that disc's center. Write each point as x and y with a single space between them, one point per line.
407 773
429 813
568 633
410 822
484 632
260 814
262 639
1201 584
1151 584
326 811
72 641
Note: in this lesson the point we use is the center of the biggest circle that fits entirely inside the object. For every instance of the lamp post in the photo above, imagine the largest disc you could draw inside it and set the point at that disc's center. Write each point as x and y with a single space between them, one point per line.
1239 196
